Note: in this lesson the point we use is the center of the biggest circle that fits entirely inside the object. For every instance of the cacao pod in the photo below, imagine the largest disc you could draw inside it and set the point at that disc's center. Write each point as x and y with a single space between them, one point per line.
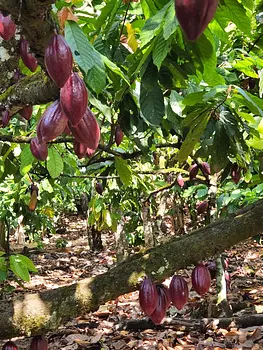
67 130
193 171
38 149
7 27
27 57
163 302
9 346
118 135
5 118
236 173
99 188
52 123
211 265
206 168
252 83
194 16
202 207
148 296
39 342
74 98
58 60
201 279
87 131
228 279
180 181
179 292
26 112
82 150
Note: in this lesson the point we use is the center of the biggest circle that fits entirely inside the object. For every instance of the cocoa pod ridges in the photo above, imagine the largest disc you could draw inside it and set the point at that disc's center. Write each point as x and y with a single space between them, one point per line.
163 302
178 291
39 342
201 279
148 296
38 149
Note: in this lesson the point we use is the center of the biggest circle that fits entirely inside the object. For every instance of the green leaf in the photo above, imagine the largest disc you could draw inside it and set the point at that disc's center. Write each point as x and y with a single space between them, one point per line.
55 163
27 263
46 186
89 60
160 50
124 171
198 124
27 159
152 104
170 22
18 268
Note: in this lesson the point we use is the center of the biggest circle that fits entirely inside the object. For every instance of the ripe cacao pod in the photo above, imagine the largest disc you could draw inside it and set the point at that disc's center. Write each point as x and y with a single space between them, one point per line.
5 118
89 152
9 346
201 279
179 292
26 112
148 296
180 181
52 123
82 150
28 57
58 60
211 265
202 207
7 27
206 168
99 188
39 342
193 171
67 130
74 98
236 173
38 149
87 131
194 16
163 302
118 135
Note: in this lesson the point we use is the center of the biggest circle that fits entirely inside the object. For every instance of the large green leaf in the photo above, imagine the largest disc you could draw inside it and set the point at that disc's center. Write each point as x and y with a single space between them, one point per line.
152 104
198 124
18 267
124 171
89 60
27 159
55 163
160 50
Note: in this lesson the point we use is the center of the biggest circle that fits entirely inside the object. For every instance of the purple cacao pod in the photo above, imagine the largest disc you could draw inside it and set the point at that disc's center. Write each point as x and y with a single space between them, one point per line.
74 98
202 207
211 265
228 279
58 60
99 188
38 149
5 118
148 296
87 131
118 135
80 149
26 112
179 292
39 342
9 346
67 130
236 173
52 123
7 27
194 16
206 168
27 57
180 180
193 171
163 302
201 279
89 152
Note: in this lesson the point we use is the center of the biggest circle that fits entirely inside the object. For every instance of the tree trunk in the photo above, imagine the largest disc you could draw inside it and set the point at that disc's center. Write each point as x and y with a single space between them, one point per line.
39 312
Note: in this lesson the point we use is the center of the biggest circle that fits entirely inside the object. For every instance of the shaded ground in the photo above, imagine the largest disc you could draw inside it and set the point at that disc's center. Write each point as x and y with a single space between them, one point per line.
111 328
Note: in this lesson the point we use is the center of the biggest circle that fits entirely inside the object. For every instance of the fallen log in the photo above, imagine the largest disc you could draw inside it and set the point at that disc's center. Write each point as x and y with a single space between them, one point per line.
39 312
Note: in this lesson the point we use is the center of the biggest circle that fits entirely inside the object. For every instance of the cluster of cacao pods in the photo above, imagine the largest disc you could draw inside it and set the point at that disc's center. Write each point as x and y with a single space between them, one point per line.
194 16
155 299
39 342
71 113
204 166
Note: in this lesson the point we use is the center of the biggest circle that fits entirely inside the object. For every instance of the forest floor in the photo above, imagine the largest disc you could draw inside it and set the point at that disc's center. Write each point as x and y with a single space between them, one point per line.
120 324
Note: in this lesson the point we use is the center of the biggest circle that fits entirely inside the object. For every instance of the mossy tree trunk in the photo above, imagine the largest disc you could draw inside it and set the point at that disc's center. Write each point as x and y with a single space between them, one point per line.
32 313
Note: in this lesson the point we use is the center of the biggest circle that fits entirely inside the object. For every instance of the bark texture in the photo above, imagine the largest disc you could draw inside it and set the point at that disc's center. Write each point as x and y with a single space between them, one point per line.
32 313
